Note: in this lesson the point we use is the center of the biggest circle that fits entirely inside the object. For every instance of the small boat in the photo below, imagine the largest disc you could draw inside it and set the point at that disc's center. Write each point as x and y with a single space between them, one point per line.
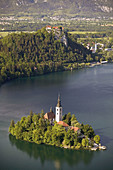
102 147
94 149
104 62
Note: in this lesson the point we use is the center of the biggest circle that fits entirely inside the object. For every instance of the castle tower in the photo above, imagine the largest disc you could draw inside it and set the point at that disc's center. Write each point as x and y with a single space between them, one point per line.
59 110
95 46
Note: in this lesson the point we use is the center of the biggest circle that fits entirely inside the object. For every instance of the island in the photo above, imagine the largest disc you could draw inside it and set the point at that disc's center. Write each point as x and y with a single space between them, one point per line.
54 129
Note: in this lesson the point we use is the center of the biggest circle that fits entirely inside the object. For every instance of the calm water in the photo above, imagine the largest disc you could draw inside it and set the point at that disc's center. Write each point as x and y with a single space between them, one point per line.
88 93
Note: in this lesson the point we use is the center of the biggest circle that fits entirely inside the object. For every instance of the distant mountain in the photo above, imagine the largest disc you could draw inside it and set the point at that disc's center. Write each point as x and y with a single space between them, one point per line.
88 8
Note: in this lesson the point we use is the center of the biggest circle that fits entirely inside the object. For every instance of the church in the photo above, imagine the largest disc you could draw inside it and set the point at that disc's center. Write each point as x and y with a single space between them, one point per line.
58 114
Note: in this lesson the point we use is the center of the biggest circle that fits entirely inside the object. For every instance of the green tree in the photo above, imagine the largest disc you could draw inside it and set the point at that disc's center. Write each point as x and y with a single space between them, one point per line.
68 118
97 139
11 127
69 138
12 124
88 131
85 142
78 146
35 119
73 120
42 113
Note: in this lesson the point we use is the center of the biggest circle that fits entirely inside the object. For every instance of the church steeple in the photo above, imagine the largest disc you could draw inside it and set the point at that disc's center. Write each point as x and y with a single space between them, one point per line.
51 109
59 110
59 102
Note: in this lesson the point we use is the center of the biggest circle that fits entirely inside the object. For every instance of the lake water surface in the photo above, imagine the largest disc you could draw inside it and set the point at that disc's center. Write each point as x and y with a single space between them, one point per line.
88 93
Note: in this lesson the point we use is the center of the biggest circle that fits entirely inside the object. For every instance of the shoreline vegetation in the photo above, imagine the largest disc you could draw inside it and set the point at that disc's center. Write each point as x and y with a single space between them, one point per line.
32 54
36 129
69 67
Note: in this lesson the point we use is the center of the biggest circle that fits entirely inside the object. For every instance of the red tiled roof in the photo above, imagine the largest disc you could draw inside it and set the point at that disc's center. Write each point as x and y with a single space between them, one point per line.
48 26
75 129
63 123
49 115
55 27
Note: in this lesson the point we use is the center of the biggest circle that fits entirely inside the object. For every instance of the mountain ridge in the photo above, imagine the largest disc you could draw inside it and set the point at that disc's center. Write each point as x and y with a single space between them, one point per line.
89 8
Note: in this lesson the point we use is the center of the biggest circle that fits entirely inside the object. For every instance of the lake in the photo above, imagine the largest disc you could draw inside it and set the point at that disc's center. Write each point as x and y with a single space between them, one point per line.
87 93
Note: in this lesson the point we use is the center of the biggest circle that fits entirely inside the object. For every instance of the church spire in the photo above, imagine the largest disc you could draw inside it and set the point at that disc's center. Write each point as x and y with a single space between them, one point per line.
51 109
59 102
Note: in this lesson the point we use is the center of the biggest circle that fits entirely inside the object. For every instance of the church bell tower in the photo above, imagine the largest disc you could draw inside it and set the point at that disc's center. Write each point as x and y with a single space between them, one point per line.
59 110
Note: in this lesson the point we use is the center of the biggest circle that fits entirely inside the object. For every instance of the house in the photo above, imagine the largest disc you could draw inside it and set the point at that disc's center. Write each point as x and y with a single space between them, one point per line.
76 129
62 123
65 125
56 28
48 27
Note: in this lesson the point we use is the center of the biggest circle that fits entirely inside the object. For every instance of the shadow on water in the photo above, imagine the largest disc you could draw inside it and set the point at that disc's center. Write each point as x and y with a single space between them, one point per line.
51 153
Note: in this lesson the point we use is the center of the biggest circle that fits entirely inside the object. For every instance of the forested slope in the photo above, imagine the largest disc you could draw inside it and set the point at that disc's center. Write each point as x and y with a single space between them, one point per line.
30 54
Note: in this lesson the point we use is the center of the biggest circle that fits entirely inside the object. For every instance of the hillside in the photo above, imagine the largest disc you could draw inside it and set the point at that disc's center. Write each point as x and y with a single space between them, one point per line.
65 8
29 54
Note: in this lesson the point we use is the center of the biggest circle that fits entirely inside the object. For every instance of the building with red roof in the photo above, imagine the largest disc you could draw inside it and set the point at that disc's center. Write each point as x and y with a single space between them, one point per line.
62 123
55 27
48 27
76 129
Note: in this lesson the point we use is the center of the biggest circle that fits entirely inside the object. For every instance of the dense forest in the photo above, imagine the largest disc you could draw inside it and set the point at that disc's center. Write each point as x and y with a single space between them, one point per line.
31 54
34 128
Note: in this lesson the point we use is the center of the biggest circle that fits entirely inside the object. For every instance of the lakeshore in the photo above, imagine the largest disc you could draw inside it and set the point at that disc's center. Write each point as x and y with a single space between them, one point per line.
70 67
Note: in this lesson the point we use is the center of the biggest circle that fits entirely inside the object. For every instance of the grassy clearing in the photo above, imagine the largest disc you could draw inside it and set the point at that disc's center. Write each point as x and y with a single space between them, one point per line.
103 38
82 32
3 34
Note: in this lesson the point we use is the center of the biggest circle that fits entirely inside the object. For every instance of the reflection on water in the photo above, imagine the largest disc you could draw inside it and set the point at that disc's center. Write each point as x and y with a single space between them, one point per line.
51 153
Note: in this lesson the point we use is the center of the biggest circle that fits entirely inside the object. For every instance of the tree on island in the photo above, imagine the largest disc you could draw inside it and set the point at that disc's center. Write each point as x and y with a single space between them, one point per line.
97 139
34 128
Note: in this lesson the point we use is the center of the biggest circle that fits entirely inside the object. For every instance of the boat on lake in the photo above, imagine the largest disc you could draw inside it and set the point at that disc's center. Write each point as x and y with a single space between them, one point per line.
104 62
